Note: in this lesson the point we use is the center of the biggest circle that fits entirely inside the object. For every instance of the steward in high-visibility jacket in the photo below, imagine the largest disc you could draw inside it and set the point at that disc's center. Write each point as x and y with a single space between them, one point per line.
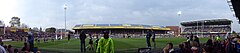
105 44
218 38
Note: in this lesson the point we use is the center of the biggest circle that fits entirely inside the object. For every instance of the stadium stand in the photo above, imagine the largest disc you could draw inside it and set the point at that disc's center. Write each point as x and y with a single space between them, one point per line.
205 28
121 30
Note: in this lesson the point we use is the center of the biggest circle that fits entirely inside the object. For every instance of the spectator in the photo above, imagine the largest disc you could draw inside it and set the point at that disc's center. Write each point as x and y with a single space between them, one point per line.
180 49
105 44
168 48
25 47
209 42
186 47
16 50
6 47
216 47
196 39
207 49
82 39
36 50
238 46
229 48
1 44
1 38
195 48
223 46
2 49
10 49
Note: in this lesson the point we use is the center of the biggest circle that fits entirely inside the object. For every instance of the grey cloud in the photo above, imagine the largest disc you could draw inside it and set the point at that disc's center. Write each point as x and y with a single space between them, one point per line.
153 12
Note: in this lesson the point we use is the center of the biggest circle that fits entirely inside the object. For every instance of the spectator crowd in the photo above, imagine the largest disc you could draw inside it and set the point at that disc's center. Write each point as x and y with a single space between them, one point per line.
217 44
27 48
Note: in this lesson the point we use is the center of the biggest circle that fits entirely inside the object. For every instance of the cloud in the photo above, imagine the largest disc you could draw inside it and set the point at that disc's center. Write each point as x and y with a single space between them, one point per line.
8 10
47 13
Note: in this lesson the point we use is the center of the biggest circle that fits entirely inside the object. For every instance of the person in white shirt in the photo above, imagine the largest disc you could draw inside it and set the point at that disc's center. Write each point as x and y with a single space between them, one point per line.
2 49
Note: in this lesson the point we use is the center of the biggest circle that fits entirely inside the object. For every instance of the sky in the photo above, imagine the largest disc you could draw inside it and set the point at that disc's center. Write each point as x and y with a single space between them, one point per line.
50 13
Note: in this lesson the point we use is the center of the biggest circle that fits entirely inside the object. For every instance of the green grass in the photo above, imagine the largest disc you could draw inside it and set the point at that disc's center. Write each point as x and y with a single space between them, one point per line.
121 44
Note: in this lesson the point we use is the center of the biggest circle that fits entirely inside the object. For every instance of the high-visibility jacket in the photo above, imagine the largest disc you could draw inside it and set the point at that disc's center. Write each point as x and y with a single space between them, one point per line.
218 38
105 46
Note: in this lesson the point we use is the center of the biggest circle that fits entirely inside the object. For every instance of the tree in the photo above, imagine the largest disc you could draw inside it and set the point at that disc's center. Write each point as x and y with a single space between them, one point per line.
50 30
35 29
24 25
15 22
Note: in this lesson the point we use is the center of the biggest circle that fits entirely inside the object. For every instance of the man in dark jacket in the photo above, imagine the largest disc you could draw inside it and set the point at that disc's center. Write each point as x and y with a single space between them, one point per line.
69 37
82 40
148 37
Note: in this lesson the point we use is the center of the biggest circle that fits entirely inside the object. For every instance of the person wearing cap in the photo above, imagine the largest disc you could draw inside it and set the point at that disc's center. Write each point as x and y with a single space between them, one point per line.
82 39
105 44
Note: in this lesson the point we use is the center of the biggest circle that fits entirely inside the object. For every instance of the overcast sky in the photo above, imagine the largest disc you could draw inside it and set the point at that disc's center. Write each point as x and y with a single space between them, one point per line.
50 13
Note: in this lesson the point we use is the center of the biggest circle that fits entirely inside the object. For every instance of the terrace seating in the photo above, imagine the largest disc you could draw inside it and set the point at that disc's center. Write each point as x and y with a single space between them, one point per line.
208 29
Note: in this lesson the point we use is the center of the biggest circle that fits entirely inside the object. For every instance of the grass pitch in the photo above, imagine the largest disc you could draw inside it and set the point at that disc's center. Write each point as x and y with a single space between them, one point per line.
126 45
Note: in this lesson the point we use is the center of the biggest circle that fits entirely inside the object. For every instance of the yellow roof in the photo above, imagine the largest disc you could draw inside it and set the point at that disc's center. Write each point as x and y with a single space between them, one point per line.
119 27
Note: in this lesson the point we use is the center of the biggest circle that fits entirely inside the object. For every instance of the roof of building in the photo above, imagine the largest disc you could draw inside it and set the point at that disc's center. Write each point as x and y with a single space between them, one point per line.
207 22
235 5
118 26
